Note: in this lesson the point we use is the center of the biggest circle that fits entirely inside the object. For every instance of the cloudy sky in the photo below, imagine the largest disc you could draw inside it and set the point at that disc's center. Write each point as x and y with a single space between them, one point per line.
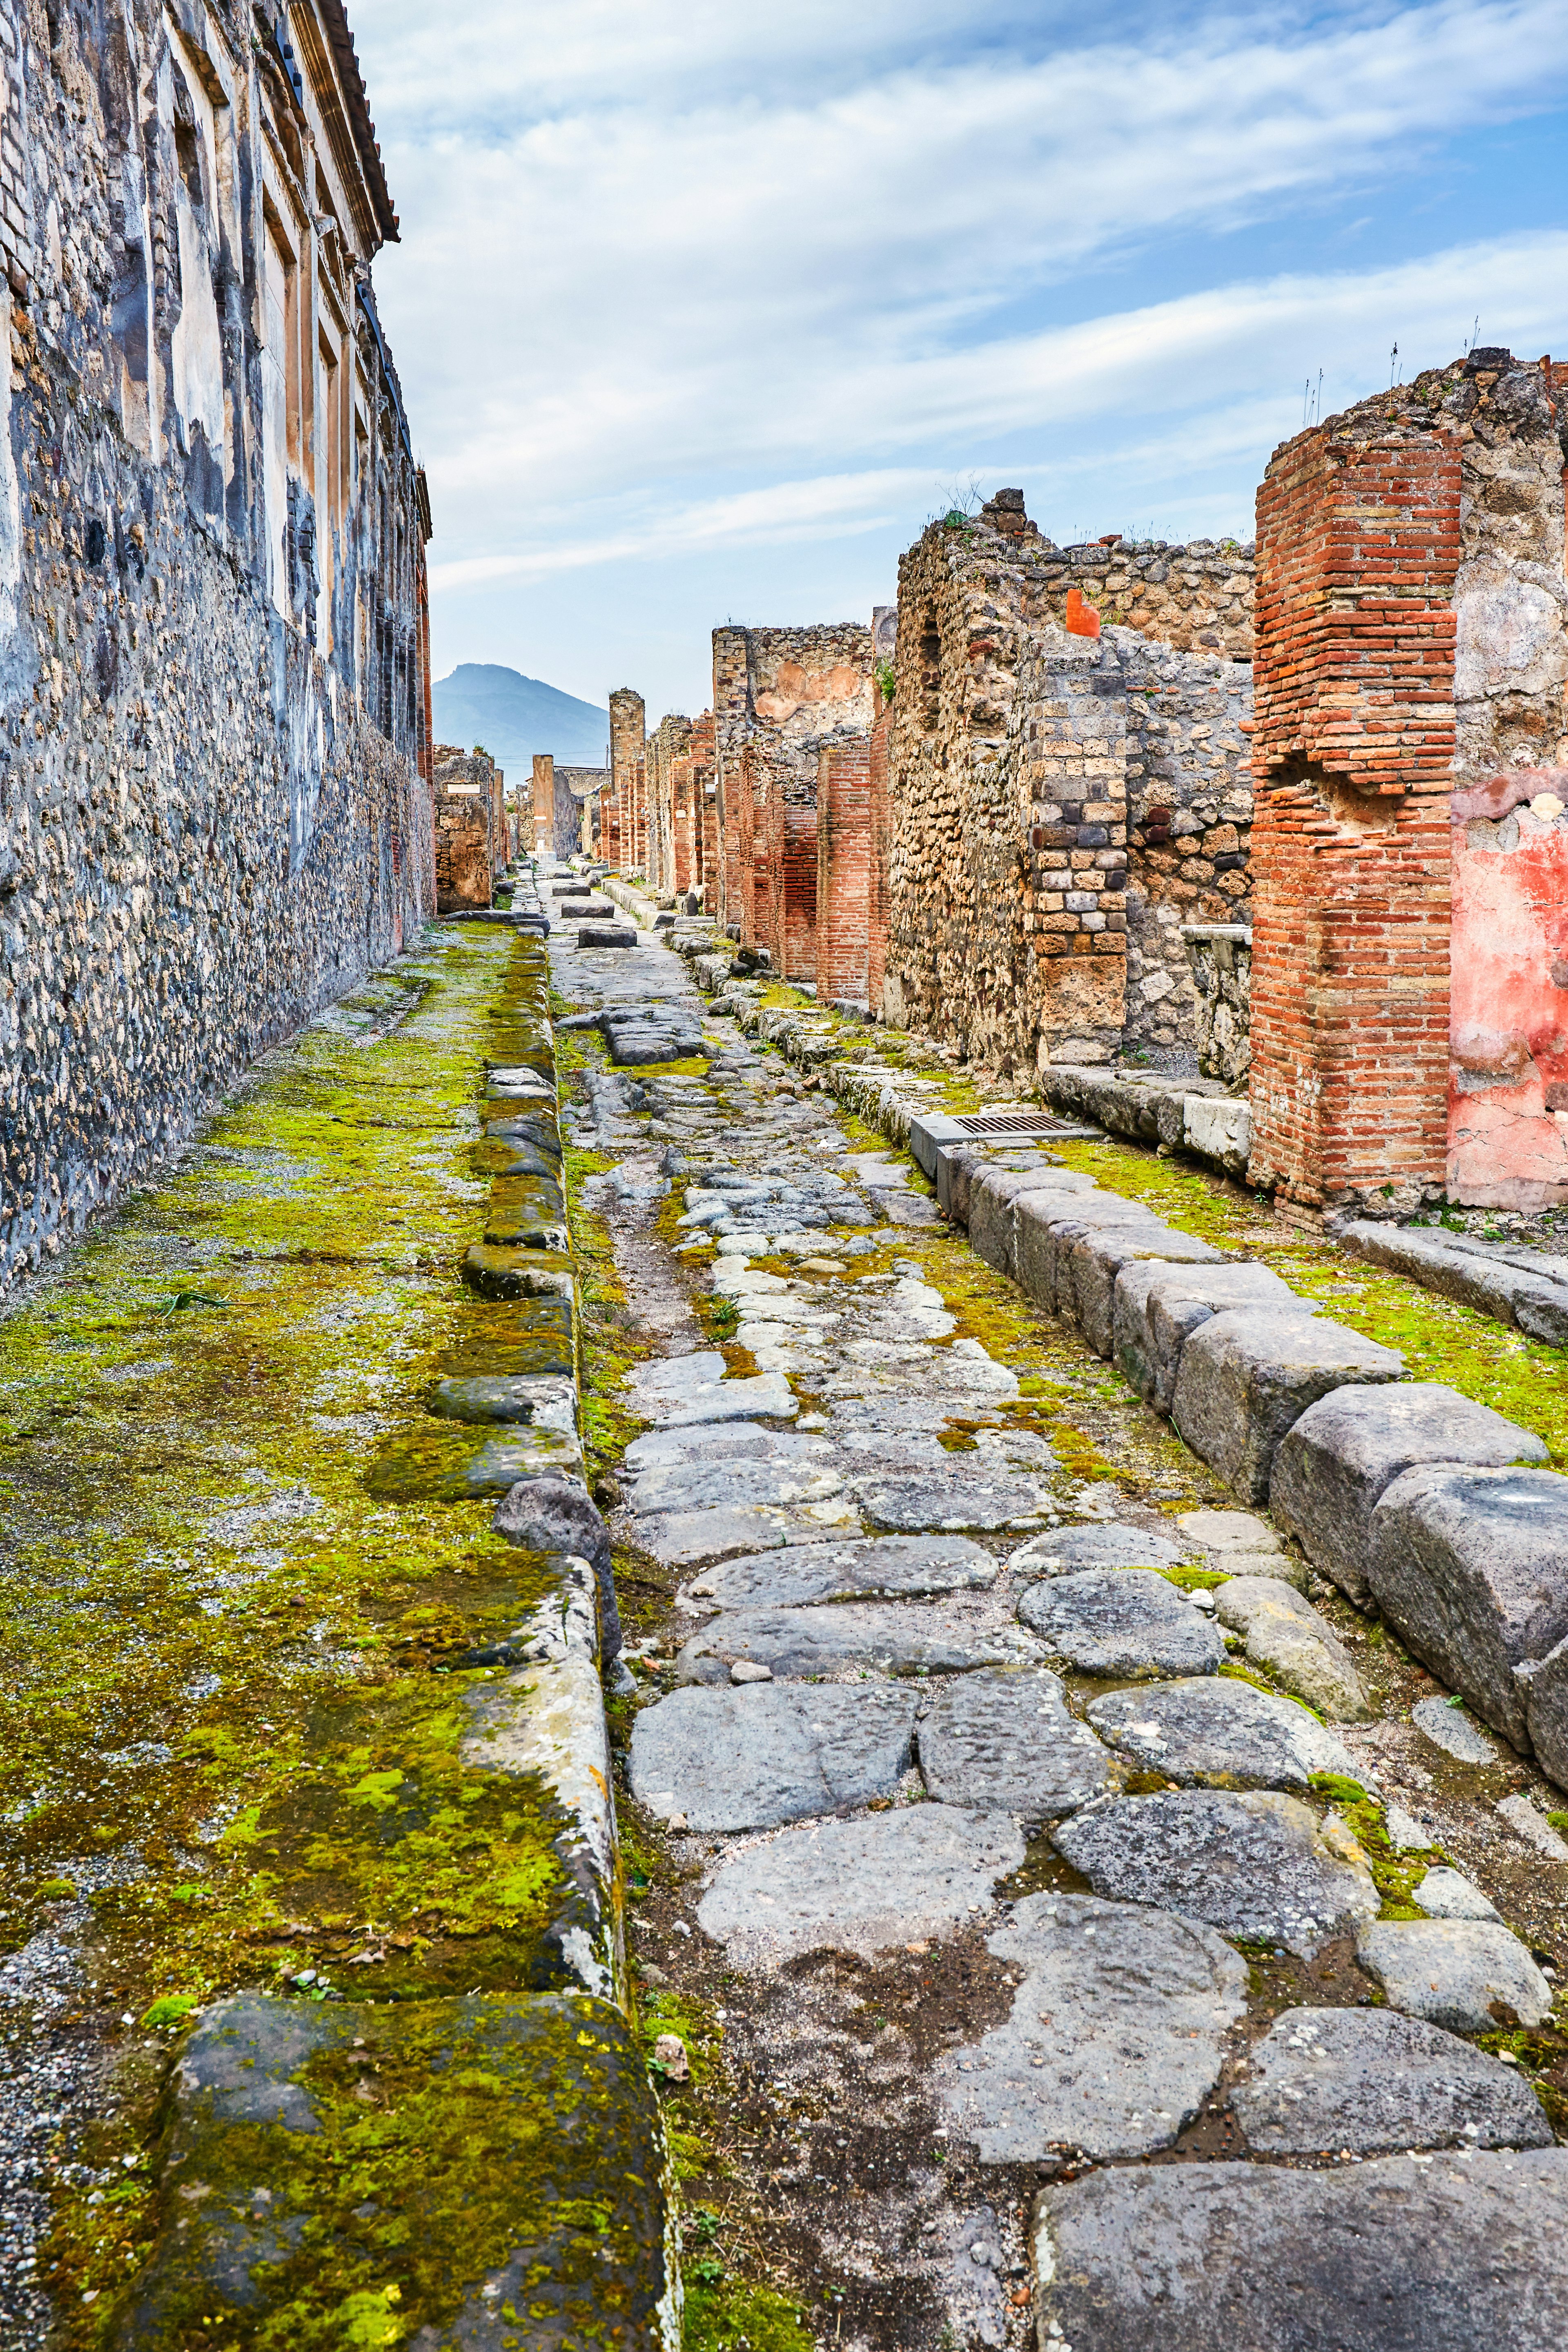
702 310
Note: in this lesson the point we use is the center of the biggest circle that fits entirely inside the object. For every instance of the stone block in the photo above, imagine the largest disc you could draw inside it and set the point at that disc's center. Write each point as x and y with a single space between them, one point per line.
1095 1259
262 2217
1046 1228
1246 1376
1004 1741
1155 1309
763 1753
1333 1467
1123 1622
991 1196
1543 1683
1370 2080
1286 1638
1470 1568
798 1644
1470 1975
1213 1732
1385 2256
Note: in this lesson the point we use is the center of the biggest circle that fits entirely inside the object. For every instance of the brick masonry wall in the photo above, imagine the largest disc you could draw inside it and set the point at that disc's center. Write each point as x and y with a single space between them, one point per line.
879 820
667 747
1358 543
215 761
705 813
777 695
846 890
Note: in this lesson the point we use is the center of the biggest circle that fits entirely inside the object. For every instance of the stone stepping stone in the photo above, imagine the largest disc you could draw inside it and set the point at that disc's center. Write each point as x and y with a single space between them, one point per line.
1122 1622
758 1754
1455 1972
1446 1724
1370 2080
1007 1741
1446 2254
1286 1638
1063 1552
1258 1866
1115 2039
866 1885
884 1567
1215 1733
1346 1451
796 1644
1470 1568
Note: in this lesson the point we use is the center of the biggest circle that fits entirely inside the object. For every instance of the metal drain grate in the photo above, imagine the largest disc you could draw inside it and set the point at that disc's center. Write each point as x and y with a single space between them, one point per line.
1016 1122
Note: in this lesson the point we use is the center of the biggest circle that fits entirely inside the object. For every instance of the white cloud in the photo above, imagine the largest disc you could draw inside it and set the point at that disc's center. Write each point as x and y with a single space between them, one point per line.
700 277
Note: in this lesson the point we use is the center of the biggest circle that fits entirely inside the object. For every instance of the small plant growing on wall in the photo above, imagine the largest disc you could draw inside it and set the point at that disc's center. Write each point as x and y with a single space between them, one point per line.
886 678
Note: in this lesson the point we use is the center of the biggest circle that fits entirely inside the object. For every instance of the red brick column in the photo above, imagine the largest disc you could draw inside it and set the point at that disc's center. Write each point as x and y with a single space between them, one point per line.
877 851
743 824
1358 544
797 888
843 869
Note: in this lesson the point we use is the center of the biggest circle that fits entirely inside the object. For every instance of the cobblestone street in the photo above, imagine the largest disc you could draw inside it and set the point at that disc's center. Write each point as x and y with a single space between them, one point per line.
1016 1829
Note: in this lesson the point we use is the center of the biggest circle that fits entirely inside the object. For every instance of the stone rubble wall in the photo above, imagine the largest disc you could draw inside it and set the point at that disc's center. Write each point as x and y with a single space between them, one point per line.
1059 805
472 831
1219 959
214 760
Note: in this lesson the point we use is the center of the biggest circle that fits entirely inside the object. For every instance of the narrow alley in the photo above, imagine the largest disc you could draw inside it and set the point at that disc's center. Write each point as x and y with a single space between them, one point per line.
992 1875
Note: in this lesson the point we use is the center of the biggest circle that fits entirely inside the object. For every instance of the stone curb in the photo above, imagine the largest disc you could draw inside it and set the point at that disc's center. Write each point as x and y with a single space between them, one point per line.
530 2107
1238 1381
1488 1277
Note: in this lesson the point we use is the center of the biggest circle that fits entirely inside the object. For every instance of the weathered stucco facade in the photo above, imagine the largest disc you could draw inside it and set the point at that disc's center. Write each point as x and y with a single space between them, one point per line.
214 771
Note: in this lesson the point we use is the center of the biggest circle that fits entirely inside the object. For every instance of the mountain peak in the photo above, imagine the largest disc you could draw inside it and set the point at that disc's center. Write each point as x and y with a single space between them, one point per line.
514 716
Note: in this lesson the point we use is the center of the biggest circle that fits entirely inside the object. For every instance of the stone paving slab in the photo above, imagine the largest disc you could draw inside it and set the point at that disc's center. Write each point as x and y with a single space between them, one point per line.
1258 1866
1246 1376
1455 1972
1121 1621
685 1538
1005 1742
1215 1733
863 1885
1454 2253
951 1499
1446 1894
895 1639
869 1568
755 1756
1333 1467
733 1483
1289 1640
1372 2081
1116 2036
1470 1568
1063 1552
679 1392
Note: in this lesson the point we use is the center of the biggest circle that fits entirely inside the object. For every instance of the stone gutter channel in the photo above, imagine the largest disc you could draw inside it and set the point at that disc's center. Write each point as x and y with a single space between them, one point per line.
1098 1730
441 2132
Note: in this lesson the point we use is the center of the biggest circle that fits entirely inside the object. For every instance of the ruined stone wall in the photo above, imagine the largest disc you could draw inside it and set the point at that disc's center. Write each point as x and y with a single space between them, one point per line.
1024 919
578 800
1196 598
470 843
778 693
1189 816
215 758
628 778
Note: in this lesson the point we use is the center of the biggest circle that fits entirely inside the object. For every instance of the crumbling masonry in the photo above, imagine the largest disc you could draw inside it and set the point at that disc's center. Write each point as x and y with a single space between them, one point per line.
215 763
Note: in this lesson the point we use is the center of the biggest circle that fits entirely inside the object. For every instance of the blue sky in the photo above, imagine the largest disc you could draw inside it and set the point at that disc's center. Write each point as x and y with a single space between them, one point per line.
702 310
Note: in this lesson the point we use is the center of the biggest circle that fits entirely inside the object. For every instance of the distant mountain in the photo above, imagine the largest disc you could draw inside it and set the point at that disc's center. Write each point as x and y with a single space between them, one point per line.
514 716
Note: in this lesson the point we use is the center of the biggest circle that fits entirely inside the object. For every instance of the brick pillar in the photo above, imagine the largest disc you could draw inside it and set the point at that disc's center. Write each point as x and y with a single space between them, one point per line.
1358 525
844 881
704 814
877 851
741 785
797 882
629 756
545 800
